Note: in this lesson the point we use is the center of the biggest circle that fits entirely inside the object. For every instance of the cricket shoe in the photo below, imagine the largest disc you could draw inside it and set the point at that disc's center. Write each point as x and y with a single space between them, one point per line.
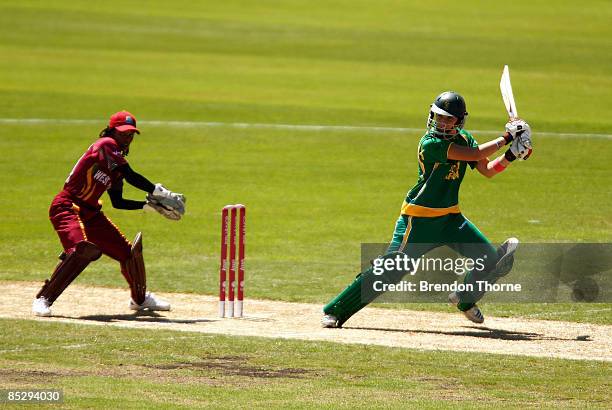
41 307
505 256
150 303
330 321
473 314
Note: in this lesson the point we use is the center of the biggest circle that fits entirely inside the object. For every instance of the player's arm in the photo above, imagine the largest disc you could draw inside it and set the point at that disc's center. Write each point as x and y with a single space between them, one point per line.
159 198
155 191
517 134
135 179
491 168
481 152
116 197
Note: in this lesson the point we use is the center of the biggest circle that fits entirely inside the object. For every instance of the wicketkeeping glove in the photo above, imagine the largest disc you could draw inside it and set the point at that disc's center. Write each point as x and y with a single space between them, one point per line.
153 205
168 203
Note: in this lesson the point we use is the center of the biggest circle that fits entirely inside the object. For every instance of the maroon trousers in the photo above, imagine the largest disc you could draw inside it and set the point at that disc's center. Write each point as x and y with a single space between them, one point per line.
74 224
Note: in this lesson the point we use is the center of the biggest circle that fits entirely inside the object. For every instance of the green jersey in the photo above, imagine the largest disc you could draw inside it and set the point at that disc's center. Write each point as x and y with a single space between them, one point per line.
436 192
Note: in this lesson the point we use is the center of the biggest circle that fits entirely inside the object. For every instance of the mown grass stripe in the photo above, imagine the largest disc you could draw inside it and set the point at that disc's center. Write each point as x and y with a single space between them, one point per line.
300 127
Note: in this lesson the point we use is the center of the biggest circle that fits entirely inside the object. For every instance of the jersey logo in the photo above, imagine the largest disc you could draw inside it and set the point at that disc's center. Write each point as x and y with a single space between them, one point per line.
102 178
453 172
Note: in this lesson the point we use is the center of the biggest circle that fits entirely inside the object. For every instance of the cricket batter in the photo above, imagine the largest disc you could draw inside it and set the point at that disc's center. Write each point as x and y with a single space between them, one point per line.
430 215
83 229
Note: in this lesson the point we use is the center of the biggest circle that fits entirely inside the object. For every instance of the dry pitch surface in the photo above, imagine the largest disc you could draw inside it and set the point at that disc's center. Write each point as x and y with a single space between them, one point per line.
372 326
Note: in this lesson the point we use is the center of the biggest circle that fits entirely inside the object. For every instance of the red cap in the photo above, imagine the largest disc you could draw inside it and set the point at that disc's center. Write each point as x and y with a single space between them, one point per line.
123 121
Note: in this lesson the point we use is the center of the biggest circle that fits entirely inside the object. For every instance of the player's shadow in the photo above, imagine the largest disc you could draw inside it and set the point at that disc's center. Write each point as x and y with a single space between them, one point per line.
477 331
154 317
141 316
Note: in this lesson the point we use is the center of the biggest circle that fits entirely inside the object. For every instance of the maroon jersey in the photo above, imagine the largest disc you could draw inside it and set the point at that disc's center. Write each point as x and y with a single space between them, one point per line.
94 173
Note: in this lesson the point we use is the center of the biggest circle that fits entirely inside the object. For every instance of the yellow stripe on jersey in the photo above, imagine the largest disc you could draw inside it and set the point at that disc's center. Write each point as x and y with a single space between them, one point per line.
89 185
425 212
420 158
448 150
93 190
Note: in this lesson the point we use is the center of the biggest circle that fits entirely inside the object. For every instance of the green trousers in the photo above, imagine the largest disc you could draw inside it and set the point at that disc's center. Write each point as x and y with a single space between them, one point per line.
415 236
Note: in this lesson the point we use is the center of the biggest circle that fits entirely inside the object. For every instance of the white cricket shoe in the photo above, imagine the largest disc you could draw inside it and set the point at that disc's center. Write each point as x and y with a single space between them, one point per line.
40 307
150 303
330 321
473 314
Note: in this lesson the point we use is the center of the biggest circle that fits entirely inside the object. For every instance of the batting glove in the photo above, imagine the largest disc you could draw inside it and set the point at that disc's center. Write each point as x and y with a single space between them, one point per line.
520 148
516 128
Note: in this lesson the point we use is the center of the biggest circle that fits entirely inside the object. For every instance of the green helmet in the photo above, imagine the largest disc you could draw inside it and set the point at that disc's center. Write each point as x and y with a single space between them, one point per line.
449 104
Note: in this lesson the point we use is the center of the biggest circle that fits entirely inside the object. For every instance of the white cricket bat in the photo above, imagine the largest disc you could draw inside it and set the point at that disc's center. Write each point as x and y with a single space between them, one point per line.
506 91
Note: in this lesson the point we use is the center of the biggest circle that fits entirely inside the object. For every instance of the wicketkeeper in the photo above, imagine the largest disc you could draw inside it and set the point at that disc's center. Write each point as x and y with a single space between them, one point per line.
86 233
430 215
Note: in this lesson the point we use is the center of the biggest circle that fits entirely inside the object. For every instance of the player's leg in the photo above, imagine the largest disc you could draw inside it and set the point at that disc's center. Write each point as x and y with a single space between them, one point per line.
135 269
410 237
463 236
78 253
114 244
505 257
357 295
70 266
472 243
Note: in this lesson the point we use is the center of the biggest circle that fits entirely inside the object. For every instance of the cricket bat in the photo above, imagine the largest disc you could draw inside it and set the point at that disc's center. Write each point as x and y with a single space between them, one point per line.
506 91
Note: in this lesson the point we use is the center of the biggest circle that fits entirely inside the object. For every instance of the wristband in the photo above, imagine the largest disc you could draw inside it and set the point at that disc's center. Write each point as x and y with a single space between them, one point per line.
507 137
497 165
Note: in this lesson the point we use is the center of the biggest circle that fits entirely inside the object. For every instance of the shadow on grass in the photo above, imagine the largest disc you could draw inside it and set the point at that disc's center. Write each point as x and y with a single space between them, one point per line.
142 316
154 317
479 331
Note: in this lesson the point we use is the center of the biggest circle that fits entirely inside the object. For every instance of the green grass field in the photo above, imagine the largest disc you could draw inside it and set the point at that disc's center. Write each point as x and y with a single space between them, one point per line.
103 367
313 196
